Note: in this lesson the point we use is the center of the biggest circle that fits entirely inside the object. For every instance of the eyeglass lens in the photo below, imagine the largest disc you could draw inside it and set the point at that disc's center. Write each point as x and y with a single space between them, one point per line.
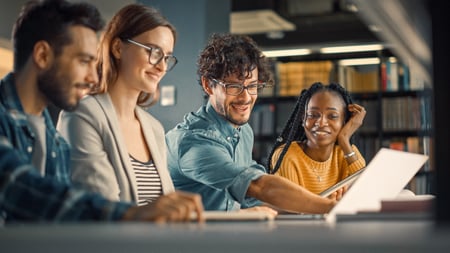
236 89
156 55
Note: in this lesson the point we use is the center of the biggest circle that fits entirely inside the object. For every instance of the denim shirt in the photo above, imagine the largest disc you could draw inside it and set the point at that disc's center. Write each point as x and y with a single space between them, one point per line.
24 193
209 156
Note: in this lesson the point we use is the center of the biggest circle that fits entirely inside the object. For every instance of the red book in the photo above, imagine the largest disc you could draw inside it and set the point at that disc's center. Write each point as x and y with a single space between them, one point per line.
383 72
397 145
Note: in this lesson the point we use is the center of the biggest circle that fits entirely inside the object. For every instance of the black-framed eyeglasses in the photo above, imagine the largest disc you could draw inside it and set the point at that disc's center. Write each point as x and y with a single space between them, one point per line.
156 54
235 89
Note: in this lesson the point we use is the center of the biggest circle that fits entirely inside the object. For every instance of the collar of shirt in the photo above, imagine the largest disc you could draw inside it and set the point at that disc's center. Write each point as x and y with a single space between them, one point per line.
9 94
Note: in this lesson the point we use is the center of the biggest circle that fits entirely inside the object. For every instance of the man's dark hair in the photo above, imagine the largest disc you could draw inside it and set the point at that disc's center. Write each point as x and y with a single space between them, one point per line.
231 54
49 20
293 130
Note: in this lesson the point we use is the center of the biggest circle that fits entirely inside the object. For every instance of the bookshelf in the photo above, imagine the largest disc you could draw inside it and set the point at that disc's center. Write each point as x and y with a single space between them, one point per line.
398 104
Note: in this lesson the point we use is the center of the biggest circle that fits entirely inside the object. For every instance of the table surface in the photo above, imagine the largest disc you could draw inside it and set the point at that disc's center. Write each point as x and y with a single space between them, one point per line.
388 235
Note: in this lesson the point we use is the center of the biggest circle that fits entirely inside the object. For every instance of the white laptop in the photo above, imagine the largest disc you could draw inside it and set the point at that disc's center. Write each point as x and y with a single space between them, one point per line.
383 178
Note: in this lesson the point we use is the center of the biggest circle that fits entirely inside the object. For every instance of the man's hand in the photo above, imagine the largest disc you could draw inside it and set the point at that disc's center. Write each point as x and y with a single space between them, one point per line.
174 207
270 211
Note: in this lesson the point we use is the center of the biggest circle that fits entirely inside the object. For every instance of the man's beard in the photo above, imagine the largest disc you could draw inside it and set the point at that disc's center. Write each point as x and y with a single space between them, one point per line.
229 116
56 88
235 122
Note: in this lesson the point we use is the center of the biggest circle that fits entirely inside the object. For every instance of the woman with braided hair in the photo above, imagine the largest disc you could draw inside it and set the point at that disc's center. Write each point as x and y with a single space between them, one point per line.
314 148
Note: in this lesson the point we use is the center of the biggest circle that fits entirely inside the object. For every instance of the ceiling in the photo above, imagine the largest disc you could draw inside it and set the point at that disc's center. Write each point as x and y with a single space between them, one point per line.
316 22
402 26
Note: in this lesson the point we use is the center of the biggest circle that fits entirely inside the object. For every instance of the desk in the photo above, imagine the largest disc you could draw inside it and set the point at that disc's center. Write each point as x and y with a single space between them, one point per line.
260 236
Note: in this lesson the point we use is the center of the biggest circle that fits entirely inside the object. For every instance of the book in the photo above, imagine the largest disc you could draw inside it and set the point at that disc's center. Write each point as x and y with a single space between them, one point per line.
415 203
403 207
344 182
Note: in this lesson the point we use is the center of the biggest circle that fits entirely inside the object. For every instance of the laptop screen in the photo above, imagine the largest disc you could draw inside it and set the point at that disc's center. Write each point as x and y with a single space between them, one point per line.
383 178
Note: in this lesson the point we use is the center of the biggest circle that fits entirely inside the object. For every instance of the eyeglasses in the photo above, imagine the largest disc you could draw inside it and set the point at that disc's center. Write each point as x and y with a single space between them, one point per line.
155 55
235 89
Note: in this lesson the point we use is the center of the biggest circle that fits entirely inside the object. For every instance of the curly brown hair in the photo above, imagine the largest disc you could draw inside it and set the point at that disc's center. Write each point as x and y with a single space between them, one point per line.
231 54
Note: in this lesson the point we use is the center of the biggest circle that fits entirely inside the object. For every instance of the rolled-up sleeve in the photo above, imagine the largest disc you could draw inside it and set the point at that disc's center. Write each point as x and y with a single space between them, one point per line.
208 159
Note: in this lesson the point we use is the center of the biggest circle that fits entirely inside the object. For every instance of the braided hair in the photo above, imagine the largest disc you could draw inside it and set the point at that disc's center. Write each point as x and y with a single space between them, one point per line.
293 130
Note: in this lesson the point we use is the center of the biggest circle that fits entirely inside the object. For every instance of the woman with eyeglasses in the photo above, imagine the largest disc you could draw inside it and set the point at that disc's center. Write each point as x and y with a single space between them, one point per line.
118 146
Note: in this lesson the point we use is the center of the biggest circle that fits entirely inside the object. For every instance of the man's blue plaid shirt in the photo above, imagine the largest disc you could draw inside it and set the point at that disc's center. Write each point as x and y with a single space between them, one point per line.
25 195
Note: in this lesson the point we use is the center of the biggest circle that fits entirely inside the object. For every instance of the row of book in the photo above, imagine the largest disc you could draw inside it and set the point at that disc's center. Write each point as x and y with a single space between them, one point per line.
361 78
388 75
293 77
407 113
396 76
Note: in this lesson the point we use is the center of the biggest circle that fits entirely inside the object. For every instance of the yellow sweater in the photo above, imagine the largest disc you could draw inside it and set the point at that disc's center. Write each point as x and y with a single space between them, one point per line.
316 176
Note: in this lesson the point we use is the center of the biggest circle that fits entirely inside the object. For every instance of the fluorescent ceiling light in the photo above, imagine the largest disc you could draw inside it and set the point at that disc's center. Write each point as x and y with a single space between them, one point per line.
349 49
392 59
359 61
286 52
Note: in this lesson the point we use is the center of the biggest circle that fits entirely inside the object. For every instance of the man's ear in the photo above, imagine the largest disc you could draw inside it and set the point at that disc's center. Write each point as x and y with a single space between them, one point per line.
206 85
43 55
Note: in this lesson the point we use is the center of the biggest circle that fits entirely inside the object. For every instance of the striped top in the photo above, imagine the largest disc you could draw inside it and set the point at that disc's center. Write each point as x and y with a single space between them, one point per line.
148 181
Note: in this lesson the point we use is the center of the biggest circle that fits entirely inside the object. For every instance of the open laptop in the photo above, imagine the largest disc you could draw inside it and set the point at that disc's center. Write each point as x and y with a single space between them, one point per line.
383 178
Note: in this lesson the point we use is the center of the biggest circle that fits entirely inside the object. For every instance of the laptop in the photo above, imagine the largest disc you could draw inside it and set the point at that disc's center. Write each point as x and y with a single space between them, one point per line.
383 178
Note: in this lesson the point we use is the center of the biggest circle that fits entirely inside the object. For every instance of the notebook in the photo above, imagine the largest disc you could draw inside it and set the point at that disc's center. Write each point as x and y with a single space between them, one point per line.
383 178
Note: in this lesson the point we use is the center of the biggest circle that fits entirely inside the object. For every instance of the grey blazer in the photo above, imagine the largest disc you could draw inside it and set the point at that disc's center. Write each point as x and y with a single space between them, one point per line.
99 158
